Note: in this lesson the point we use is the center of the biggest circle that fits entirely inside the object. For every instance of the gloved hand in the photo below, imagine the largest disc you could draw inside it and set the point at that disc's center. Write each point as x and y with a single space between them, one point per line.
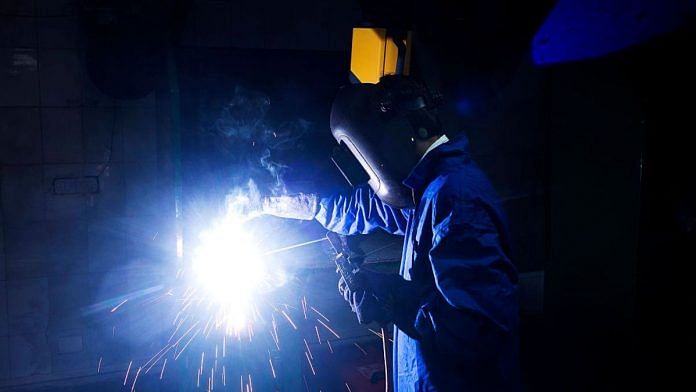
383 298
365 304
299 206
244 206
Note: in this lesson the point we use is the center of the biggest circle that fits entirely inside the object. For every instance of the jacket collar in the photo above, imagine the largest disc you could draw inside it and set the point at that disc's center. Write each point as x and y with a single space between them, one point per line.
437 162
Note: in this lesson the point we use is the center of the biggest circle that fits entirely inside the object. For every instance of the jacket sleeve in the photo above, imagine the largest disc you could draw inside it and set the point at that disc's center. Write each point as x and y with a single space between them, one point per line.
476 298
360 213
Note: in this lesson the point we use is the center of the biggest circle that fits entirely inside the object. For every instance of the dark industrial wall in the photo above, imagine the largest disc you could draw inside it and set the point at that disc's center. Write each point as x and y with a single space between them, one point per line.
63 253
597 141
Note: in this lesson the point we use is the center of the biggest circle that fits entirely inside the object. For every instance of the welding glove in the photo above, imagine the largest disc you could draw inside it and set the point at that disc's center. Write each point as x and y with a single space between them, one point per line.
365 304
300 206
384 298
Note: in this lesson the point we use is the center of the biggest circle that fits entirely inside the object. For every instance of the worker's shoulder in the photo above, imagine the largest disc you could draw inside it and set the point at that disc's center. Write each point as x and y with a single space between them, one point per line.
465 182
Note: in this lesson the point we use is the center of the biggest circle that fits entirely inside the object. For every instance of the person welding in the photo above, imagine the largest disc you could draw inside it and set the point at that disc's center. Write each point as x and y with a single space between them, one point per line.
454 304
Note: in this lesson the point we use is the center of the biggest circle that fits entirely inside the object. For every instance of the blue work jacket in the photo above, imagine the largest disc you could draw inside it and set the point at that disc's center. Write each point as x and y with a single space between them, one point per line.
456 250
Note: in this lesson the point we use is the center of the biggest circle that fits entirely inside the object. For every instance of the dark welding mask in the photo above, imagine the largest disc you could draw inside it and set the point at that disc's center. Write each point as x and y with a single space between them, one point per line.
376 130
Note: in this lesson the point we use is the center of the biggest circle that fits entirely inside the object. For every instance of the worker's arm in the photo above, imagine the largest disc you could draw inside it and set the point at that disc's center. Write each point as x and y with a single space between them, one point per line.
360 212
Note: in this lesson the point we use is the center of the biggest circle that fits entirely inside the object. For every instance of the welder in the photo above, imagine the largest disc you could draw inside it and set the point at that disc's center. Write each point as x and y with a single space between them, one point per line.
454 304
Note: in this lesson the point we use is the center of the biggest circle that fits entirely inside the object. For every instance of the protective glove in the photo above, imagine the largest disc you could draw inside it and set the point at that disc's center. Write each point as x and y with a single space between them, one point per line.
383 298
299 206
365 304
244 206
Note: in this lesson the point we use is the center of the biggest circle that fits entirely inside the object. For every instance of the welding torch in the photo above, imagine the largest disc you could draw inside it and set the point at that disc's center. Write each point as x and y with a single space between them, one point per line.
372 308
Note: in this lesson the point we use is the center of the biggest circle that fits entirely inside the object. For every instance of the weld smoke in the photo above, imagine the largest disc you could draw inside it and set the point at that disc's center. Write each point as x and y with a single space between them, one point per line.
251 138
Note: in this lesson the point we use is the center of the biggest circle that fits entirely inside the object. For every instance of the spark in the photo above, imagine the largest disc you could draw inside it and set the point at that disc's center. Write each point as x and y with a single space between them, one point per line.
379 335
154 356
186 333
289 319
348 388
183 309
384 352
318 336
136 379
329 343
206 329
176 330
320 314
125 380
115 308
270 361
329 328
164 364
187 343
309 361
202 359
99 365
308 350
274 332
156 299
158 359
361 349
275 340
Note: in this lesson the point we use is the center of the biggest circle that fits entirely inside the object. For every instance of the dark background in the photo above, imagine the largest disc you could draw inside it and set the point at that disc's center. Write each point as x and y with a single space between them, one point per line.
580 113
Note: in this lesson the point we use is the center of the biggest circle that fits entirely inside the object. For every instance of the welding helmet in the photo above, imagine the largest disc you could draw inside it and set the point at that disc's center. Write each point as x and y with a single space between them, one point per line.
377 126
